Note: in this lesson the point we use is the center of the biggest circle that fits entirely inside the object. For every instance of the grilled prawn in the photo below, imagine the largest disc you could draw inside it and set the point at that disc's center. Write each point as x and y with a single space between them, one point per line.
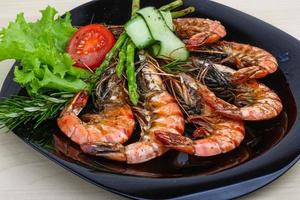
113 124
216 134
158 114
256 101
252 62
198 31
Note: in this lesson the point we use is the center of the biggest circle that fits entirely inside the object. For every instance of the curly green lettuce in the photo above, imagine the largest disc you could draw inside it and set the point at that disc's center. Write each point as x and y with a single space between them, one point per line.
40 47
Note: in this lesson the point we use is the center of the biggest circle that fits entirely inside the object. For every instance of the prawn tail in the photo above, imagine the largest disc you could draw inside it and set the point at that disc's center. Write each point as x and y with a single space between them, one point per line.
77 103
105 149
176 141
198 40
201 39
245 74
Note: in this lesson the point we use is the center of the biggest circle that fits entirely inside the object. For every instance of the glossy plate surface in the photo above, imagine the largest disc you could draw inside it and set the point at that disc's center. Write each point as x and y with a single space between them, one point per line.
269 150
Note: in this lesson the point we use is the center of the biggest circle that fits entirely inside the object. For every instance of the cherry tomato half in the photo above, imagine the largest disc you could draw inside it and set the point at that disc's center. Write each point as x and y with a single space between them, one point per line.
89 45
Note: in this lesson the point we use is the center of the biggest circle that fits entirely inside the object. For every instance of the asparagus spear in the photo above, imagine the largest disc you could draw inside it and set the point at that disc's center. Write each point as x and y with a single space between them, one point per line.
130 73
172 5
183 12
130 67
110 55
122 60
135 7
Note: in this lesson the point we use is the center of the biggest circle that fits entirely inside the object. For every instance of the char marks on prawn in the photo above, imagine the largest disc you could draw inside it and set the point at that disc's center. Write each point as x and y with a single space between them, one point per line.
251 62
217 82
215 132
256 101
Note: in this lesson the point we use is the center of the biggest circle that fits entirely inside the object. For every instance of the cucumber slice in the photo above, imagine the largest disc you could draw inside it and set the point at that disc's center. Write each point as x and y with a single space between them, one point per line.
171 47
155 49
168 19
139 32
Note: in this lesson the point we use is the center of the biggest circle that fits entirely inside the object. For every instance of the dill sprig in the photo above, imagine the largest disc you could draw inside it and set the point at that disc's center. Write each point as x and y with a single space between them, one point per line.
17 110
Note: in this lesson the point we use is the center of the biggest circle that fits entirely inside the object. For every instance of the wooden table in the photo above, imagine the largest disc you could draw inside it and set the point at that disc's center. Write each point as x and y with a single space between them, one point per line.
26 174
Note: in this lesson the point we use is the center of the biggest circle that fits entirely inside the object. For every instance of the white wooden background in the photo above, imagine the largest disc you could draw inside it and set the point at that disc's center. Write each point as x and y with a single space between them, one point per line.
25 174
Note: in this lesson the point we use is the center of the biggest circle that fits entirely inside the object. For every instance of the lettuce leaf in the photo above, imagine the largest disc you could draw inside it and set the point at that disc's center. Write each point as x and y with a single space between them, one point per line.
41 49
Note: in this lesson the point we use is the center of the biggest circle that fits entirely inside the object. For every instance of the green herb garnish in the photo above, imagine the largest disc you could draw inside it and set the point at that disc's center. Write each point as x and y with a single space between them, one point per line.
17 110
175 67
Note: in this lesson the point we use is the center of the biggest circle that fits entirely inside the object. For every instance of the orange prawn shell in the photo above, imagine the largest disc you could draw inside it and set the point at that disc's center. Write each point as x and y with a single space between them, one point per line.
114 124
166 116
199 31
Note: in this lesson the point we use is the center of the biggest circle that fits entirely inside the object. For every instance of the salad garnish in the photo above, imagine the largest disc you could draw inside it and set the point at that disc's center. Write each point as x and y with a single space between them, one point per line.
40 48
